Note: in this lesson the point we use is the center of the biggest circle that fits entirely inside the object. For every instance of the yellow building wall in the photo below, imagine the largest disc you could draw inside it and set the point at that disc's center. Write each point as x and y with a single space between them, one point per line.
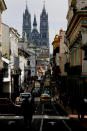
56 44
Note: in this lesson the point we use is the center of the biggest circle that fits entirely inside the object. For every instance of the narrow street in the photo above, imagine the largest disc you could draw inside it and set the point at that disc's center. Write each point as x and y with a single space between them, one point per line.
47 116
43 65
51 116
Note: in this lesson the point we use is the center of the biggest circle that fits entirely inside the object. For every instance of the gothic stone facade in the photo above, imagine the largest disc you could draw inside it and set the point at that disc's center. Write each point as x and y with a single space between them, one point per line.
33 35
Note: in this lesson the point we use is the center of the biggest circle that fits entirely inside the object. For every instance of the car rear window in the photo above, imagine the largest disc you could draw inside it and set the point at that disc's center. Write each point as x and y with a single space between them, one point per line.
45 95
25 95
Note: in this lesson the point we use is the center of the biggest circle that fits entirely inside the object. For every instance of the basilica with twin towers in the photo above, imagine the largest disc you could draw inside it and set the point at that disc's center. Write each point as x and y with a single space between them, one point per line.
38 38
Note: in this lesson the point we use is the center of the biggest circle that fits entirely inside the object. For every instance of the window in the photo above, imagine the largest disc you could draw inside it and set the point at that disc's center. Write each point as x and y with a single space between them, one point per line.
5 70
85 55
44 35
44 43
28 63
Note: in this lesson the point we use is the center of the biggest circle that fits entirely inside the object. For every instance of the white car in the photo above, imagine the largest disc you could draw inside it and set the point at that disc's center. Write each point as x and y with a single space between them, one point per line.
24 95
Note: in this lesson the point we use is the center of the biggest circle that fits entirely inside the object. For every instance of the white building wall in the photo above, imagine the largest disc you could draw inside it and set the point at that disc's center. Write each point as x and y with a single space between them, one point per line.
5 58
13 47
22 45
22 65
32 64
7 80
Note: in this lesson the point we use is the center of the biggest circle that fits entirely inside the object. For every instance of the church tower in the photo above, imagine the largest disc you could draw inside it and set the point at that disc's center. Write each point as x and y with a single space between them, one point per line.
44 33
35 33
26 28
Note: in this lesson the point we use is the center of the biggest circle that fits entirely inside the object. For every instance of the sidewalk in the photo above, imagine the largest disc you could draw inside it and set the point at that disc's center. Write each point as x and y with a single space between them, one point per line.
74 115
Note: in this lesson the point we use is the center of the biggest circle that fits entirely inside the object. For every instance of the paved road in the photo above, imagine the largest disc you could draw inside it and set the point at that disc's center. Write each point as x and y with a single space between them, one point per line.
47 117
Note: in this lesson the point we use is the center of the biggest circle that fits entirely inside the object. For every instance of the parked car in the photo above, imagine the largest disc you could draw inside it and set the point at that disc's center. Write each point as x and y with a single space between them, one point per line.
24 95
7 106
45 97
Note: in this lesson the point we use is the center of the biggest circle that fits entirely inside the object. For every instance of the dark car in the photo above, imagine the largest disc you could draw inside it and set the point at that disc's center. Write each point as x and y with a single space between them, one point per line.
8 107
24 96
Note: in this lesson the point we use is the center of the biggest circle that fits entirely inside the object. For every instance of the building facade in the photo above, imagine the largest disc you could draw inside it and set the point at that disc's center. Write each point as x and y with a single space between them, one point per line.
23 58
2 8
6 59
58 63
14 63
62 53
39 38
59 52
76 35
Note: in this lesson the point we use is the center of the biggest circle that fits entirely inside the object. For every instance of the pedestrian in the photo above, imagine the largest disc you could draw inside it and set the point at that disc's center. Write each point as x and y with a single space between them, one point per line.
27 86
27 111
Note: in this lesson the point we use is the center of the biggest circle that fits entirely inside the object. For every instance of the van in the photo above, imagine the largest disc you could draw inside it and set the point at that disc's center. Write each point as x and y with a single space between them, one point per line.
25 95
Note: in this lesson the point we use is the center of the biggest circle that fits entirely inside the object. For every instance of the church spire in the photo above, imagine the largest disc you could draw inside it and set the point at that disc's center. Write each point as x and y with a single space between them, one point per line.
44 10
26 5
26 23
26 10
44 27
35 22
44 5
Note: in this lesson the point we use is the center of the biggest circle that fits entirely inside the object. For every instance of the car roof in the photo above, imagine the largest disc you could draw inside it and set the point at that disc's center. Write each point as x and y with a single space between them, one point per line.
44 94
25 93
4 98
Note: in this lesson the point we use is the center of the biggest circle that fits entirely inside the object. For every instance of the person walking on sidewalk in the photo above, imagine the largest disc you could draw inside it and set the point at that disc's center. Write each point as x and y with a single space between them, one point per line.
27 111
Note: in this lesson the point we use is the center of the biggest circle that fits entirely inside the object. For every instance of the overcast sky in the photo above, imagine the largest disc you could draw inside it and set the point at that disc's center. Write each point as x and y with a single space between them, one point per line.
56 9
